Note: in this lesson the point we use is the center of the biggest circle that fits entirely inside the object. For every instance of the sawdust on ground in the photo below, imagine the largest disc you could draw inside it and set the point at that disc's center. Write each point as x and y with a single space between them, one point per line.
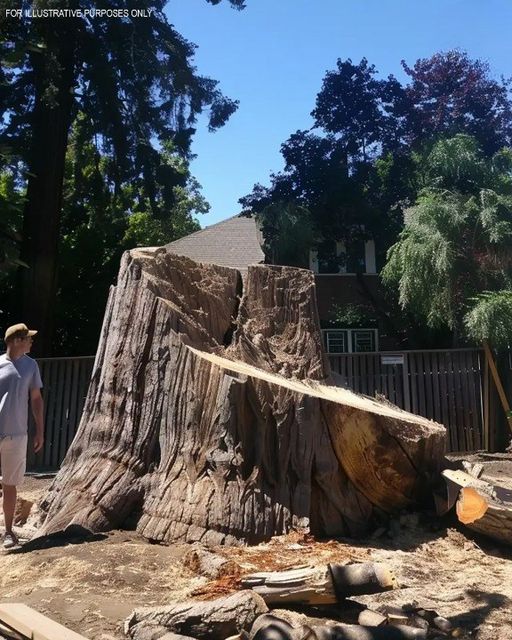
92 587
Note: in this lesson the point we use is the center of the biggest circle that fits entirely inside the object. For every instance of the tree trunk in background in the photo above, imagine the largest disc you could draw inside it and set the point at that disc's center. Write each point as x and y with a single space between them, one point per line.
198 425
41 222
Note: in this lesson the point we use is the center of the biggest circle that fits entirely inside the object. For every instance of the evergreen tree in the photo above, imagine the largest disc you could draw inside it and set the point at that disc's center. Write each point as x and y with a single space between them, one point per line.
133 78
452 264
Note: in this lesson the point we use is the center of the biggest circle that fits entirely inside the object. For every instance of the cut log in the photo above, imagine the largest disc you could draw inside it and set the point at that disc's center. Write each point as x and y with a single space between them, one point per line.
209 419
320 585
157 632
215 620
481 506
362 578
303 585
273 627
372 618
210 564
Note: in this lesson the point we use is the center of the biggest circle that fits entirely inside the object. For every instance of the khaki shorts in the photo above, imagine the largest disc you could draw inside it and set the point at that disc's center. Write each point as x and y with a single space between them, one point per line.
13 459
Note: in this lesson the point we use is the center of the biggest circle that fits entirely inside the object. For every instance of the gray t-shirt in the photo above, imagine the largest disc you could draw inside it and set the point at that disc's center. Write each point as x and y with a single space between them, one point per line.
17 379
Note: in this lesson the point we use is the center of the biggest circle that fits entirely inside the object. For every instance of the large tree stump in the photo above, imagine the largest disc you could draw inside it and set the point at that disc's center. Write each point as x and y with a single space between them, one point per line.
209 419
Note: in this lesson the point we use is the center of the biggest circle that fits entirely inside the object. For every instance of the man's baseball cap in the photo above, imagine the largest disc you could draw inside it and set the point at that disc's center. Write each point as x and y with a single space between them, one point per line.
19 328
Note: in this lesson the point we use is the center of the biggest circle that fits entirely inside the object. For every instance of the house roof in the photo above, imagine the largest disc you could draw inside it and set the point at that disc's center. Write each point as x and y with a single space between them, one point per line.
235 242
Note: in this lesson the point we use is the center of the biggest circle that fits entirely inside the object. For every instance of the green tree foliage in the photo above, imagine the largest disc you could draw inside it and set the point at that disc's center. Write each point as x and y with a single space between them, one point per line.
452 264
350 106
99 221
133 78
288 234
356 169
11 206
491 318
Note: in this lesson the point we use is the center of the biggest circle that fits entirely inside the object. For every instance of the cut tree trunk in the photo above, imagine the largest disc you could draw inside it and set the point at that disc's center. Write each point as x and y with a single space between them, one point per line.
210 419
481 506
210 565
215 620
321 585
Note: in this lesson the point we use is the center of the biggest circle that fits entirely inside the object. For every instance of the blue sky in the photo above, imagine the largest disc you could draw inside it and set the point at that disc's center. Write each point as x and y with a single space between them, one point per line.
272 57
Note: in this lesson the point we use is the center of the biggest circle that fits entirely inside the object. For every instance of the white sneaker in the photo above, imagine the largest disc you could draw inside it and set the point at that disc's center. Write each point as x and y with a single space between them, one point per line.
10 540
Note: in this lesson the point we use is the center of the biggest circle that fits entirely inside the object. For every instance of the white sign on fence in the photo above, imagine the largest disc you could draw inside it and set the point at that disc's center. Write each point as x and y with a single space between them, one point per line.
392 359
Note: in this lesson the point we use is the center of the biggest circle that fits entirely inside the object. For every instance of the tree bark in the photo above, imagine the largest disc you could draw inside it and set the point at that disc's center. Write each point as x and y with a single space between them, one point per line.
321 585
54 76
199 425
216 619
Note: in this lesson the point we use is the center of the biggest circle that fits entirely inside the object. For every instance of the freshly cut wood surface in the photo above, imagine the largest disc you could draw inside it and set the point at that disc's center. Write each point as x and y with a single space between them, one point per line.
210 416
34 625
481 506
384 451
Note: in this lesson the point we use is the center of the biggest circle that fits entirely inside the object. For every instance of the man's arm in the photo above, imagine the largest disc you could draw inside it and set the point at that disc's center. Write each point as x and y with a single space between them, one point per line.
37 406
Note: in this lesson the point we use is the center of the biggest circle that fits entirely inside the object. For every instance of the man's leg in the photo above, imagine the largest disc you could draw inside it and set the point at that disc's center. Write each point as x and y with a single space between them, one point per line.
9 505
13 460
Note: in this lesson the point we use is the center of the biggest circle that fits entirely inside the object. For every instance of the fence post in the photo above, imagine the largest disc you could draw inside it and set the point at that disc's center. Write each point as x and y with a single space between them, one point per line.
406 383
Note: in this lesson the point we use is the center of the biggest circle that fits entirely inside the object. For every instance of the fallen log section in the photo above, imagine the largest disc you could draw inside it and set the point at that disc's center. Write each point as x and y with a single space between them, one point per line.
210 417
216 620
481 506
320 585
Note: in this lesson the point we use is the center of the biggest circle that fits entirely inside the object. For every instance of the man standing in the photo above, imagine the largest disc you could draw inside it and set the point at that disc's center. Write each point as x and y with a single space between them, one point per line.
20 381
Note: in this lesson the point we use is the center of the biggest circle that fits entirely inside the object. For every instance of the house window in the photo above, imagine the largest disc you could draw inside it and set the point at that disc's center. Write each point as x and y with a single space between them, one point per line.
336 341
363 340
336 258
350 340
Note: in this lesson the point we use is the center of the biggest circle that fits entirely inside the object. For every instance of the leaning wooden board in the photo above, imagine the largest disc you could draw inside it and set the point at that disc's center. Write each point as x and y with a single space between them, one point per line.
34 625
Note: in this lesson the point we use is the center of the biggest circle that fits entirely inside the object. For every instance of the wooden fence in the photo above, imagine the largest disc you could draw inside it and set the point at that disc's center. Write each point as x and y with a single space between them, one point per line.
446 386
65 381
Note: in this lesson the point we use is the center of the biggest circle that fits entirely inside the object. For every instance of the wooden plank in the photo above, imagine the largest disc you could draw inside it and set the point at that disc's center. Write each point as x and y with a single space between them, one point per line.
350 373
357 368
74 414
486 407
360 377
471 427
34 625
36 459
66 401
477 395
413 383
59 401
499 386
436 390
85 379
459 400
398 382
370 374
452 400
445 400
428 382
420 376
50 411
406 383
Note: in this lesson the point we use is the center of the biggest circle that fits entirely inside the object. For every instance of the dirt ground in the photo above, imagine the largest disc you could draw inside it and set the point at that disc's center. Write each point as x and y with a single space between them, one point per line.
92 587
